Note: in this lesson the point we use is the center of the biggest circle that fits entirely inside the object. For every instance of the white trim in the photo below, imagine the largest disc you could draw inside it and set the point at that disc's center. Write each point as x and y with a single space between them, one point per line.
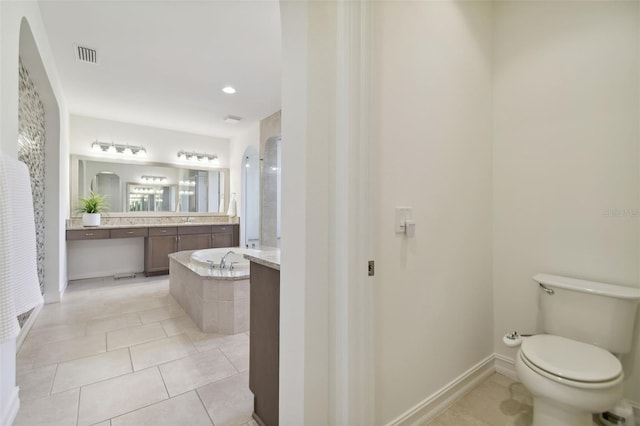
11 410
438 402
505 366
26 327
352 394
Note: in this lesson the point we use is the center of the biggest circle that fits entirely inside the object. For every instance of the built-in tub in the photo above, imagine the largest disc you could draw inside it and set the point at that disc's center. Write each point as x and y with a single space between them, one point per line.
217 300
210 259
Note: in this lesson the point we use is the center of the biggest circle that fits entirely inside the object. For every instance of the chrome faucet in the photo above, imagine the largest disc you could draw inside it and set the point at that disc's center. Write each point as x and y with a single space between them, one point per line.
223 262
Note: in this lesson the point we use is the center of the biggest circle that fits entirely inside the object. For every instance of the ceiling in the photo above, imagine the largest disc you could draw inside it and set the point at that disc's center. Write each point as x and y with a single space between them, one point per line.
163 63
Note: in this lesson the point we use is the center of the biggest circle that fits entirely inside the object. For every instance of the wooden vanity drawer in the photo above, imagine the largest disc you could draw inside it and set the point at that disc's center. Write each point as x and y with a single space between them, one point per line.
162 231
128 232
194 229
221 229
88 234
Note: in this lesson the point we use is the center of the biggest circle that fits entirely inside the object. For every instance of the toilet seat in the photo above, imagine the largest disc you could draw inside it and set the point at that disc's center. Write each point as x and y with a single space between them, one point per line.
571 362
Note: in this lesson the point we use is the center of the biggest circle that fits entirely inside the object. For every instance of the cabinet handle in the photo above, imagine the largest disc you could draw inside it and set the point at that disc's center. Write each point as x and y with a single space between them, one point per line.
163 230
130 232
88 234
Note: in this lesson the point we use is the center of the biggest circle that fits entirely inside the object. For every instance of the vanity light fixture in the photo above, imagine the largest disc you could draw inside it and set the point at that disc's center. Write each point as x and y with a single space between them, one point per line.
198 157
114 148
229 90
153 179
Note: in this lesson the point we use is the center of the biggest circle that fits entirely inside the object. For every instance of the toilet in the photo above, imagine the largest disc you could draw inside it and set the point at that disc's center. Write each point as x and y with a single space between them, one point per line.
572 370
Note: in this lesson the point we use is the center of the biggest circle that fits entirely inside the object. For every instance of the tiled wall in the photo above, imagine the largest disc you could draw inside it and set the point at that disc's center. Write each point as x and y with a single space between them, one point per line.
31 140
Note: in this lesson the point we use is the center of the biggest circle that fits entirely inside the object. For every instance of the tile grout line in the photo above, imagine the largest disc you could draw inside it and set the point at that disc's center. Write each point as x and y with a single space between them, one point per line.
204 406
228 359
78 409
55 373
163 382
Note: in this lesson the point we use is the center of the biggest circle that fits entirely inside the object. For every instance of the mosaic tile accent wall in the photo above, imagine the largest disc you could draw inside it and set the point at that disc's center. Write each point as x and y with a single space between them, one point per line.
31 140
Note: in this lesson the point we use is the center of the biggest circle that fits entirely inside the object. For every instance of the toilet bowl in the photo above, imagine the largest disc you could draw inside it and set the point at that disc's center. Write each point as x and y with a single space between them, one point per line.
569 380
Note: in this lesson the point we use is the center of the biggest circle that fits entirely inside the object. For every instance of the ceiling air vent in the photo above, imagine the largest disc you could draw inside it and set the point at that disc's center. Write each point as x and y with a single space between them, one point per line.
86 54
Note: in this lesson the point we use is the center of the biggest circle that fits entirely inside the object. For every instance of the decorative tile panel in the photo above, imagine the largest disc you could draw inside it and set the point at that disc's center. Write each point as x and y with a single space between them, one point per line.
31 140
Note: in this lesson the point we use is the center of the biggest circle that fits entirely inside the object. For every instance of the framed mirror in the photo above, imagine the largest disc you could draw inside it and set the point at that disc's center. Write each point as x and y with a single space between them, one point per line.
147 187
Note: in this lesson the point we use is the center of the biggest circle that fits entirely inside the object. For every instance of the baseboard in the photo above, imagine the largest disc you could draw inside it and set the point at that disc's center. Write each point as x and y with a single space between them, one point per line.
11 410
505 366
26 327
437 403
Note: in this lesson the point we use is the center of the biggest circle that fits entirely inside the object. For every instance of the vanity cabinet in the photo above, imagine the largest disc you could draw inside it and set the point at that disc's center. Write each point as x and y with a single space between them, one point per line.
264 344
194 237
225 236
88 234
160 243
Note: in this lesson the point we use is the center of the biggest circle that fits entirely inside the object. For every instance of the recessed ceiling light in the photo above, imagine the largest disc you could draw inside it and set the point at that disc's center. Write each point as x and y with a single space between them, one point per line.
229 90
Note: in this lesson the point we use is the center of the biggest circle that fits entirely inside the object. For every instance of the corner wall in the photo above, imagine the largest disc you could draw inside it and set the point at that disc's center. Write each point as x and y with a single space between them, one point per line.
13 17
432 109
566 169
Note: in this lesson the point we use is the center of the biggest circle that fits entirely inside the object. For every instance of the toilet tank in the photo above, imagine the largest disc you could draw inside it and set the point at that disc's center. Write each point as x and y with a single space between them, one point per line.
587 311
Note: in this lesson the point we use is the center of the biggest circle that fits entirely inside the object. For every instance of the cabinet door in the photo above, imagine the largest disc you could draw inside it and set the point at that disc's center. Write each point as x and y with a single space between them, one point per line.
157 254
193 242
222 240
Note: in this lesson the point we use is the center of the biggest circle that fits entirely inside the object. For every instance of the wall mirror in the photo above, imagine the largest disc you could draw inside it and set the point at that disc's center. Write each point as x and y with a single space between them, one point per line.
139 187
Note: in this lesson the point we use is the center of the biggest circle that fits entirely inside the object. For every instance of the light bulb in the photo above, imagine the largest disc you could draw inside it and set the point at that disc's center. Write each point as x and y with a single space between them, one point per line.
95 147
112 149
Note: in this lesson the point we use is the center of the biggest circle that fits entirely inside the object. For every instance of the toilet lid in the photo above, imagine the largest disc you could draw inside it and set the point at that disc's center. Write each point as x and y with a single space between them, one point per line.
571 359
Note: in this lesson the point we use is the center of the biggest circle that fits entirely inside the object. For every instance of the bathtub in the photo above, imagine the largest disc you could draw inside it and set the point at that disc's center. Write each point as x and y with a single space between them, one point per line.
217 300
211 258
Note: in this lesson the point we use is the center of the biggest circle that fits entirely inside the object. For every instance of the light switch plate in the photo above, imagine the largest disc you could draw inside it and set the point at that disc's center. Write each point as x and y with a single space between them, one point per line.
402 215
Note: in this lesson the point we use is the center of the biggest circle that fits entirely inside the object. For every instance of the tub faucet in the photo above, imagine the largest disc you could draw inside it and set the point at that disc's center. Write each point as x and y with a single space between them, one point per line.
223 262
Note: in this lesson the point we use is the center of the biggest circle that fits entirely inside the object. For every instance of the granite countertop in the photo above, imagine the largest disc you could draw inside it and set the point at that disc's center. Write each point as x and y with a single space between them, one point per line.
184 258
267 257
147 225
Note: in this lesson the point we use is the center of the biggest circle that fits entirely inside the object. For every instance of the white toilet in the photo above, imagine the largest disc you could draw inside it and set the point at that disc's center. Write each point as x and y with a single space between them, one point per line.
571 371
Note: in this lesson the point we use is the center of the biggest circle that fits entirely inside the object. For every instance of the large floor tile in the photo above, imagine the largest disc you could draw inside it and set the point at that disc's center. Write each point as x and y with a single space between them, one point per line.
134 335
195 371
87 370
185 410
55 410
162 313
46 335
161 351
229 401
454 417
237 350
114 322
64 351
179 325
495 404
120 395
35 383
207 341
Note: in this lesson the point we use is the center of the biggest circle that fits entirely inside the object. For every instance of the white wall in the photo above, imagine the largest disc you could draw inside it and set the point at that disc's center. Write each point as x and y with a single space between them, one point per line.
162 145
565 151
237 147
432 109
11 15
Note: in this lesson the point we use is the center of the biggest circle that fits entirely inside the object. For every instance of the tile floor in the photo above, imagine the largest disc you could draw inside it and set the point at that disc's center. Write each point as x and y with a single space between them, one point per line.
123 352
496 401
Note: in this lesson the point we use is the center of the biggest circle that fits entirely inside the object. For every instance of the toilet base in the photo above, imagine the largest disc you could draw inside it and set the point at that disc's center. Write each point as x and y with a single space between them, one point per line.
547 413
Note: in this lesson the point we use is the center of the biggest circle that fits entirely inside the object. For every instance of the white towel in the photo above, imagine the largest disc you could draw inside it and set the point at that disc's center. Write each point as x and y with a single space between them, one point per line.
19 287
232 206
